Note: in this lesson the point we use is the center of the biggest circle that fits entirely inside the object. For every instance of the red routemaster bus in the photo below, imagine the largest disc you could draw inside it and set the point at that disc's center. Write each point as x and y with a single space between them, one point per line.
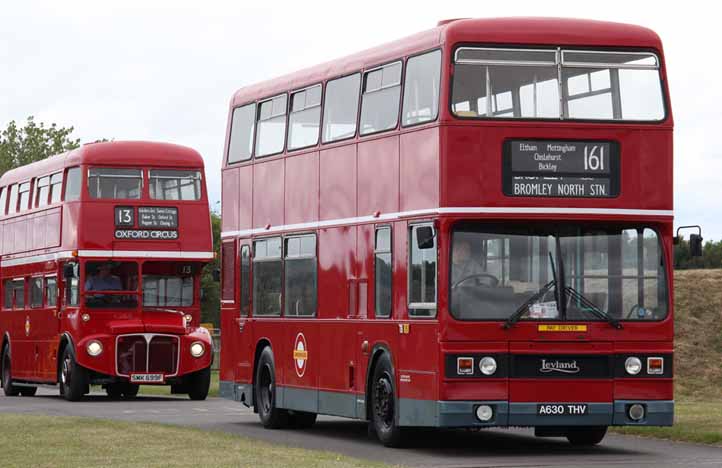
469 227
102 251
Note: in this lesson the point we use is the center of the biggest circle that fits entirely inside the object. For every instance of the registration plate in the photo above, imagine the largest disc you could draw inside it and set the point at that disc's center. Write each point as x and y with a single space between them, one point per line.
147 378
562 409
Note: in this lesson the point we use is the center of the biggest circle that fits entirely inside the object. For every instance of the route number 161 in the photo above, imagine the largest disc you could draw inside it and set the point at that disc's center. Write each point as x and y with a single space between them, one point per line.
593 158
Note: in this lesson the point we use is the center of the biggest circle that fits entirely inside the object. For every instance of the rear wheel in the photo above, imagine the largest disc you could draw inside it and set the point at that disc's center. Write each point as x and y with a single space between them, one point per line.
301 419
199 383
114 390
8 388
28 391
265 388
73 377
586 436
383 401
130 391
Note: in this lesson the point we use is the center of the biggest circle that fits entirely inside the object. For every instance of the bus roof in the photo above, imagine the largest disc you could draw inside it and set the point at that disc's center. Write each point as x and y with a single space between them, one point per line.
116 153
522 31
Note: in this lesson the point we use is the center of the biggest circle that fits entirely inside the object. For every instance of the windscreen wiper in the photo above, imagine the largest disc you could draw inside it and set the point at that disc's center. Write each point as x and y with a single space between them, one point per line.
513 318
591 307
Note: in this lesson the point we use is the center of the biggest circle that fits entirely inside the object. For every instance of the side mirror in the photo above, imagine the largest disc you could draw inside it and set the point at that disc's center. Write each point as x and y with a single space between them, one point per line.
695 245
425 237
217 275
69 270
695 240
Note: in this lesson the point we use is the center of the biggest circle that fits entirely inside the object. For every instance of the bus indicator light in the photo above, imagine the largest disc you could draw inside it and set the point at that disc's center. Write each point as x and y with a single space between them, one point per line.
655 365
465 366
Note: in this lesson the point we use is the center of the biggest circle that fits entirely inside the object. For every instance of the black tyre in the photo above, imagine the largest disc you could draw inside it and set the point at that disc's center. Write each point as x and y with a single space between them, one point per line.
265 393
586 436
8 388
130 391
114 390
301 419
383 404
198 384
28 391
73 377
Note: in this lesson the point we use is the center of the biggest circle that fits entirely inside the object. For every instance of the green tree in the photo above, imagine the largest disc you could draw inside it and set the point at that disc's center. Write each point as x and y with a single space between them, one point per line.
33 142
211 304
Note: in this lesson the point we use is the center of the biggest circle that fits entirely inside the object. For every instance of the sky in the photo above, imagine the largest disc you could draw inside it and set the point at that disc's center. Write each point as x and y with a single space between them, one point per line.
165 70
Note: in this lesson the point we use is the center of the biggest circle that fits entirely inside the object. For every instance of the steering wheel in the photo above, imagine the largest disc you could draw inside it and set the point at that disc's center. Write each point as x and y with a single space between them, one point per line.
493 280
633 310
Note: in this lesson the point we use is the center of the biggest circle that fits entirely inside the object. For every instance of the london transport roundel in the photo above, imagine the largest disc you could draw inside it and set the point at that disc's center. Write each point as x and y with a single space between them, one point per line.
300 354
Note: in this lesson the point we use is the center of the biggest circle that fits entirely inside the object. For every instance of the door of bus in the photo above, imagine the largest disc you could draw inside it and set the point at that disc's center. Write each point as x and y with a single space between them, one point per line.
243 339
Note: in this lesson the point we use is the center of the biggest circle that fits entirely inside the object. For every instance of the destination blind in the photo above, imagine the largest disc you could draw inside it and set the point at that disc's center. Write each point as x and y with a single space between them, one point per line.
563 169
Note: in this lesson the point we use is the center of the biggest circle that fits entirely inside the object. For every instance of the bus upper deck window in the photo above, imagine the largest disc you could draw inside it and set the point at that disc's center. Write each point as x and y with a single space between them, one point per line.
115 183
175 185
72 184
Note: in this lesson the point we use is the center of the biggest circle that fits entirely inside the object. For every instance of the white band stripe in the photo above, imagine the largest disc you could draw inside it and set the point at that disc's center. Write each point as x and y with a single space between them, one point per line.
436 211
172 254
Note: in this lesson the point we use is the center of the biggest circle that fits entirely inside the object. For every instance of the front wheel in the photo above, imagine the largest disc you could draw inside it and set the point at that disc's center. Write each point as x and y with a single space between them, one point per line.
265 387
383 400
198 384
8 388
586 436
73 377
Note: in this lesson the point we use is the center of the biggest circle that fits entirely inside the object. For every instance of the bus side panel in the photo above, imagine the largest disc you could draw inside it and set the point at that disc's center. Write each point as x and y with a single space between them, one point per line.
268 193
337 189
378 176
230 193
418 373
301 192
419 179
337 299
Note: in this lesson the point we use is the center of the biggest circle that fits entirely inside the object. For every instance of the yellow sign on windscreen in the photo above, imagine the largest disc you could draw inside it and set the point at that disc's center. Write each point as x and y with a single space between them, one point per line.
561 328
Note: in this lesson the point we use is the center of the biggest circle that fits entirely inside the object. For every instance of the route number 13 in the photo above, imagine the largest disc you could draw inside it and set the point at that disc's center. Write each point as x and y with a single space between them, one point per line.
124 216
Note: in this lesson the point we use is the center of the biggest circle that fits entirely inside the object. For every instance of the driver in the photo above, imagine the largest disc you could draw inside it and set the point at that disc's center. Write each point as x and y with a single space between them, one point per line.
103 279
462 264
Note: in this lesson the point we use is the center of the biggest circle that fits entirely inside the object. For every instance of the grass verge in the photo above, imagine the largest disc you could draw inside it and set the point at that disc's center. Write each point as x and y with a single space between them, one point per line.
49 441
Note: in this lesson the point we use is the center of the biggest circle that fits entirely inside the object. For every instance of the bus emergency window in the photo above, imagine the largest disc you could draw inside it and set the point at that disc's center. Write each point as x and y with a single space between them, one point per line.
116 284
36 292
72 184
382 272
228 255
380 101
42 191
422 276
115 183
612 86
245 280
421 88
340 109
243 124
267 273
175 185
51 291
271 131
13 199
300 278
56 187
3 200
24 195
305 118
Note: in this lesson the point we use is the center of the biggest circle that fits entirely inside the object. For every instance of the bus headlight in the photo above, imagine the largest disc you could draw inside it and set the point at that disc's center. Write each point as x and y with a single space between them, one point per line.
487 365
197 349
94 348
633 365
484 413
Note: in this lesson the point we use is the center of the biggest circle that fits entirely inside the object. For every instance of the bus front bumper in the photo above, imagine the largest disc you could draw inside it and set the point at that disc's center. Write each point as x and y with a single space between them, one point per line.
464 414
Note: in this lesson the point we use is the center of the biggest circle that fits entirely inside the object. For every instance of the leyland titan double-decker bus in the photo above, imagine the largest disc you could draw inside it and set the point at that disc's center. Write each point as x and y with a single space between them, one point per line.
102 251
469 227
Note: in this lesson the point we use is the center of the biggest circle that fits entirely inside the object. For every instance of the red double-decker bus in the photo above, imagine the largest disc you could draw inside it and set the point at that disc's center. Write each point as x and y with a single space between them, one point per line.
102 252
470 227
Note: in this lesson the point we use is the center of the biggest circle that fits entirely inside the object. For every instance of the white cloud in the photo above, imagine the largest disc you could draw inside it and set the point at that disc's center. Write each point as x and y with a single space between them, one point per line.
165 70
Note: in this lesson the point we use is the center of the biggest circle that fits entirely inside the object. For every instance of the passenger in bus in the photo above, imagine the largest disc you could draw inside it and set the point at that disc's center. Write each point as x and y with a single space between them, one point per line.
103 279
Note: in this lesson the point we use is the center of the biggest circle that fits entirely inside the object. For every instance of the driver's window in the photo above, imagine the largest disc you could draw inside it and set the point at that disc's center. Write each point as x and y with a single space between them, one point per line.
111 284
422 276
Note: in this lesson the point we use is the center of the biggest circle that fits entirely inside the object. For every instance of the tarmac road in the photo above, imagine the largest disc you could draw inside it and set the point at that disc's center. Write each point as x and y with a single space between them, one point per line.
457 449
